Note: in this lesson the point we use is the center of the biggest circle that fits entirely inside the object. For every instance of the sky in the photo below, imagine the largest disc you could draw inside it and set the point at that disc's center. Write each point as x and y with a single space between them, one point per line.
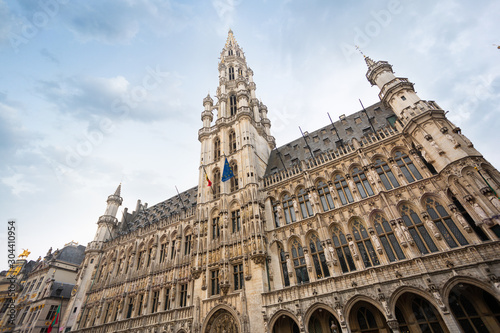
96 93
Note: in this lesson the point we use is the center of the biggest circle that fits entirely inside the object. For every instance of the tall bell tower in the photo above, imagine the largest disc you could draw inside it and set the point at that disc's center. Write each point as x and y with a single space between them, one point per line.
230 247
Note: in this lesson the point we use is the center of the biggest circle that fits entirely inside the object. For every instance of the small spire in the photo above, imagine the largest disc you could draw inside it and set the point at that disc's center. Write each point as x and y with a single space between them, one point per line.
369 61
118 190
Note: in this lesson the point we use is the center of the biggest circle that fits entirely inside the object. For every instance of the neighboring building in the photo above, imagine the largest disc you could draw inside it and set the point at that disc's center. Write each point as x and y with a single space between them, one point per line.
386 220
48 285
11 284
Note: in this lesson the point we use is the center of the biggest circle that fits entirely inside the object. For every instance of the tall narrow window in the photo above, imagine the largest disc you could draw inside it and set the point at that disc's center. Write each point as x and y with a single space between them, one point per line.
343 252
166 305
140 258
238 276
183 295
187 245
51 313
141 301
406 165
444 223
305 204
324 196
299 262
154 307
361 182
163 252
232 142
172 250
216 184
232 105
288 209
231 73
215 228
276 207
214 282
130 307
318 256
385 174
284 267
365 246
236 220
148 261
386 236
234 180
216 149
417 230
343 190
477 229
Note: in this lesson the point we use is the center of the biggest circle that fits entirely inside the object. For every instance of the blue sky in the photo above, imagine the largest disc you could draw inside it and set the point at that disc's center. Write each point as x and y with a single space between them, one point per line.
94 93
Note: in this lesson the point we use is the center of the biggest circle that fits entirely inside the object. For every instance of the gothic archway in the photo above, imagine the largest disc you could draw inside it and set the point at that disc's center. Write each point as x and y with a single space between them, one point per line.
416 314
475 309
366 318
323 321
285 324
222 322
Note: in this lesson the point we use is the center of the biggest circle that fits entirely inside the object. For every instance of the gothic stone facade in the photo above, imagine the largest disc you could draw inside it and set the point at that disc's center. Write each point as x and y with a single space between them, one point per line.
382 222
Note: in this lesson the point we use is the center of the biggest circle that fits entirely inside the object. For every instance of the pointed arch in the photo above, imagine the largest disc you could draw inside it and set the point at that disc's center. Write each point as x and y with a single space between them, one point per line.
304 202
299 261
416 228
341 247
386 235
364 244
343 190
318 255
385 173
325 197
406 165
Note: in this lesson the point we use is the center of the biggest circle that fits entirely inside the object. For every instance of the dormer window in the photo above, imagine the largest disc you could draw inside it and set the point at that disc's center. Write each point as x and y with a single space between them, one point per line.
230 52
231 73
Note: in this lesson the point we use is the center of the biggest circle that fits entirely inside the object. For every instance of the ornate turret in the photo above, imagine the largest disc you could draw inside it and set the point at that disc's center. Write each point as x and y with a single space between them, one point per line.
438 140
108 221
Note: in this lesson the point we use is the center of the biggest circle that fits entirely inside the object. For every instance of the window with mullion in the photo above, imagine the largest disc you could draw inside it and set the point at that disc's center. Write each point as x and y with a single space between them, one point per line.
214 282
444 223
318 256
231 73
325 196
154 306
385 174
284 266
288 210
236 220
386 236
343 190
406 165
299 262
305 204
232 106
216 184
215 228
232 142
216 149
417 230
362 183
365 247
342 249
183 295
238 276
234 180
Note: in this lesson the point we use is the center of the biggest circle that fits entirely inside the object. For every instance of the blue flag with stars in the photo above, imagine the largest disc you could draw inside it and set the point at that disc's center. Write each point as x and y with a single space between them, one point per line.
227 173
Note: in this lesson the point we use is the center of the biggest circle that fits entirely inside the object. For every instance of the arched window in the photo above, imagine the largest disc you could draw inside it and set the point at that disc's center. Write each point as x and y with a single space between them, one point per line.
343 189
163 252
477 229
366 320
284 267
325 197
232 142
465 312
234 180
406 165
299 262
230 52
417 230
385 174
215 227
236 220
216 184
276 215
361 182
305 204
231 73
216 148
232 105
426 316
343 252
318 256
444 223
288 209
365 246
386 236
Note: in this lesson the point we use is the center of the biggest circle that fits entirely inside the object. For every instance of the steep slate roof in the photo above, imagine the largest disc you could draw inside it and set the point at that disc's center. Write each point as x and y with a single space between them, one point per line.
64 290
72 254
324 139
164 209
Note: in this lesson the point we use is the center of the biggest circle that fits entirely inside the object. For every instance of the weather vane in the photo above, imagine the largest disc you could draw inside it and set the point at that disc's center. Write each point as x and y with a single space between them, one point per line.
357 48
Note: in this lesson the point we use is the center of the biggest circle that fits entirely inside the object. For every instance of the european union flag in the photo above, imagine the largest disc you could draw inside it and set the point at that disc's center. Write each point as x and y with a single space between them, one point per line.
227 173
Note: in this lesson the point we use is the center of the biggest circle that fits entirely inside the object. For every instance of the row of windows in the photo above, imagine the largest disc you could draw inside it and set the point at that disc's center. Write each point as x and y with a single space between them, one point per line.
235 224
238 281
145 258
217 145
362 245
343 191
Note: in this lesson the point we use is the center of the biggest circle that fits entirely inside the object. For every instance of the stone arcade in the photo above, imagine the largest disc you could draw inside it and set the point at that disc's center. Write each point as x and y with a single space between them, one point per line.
387 222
